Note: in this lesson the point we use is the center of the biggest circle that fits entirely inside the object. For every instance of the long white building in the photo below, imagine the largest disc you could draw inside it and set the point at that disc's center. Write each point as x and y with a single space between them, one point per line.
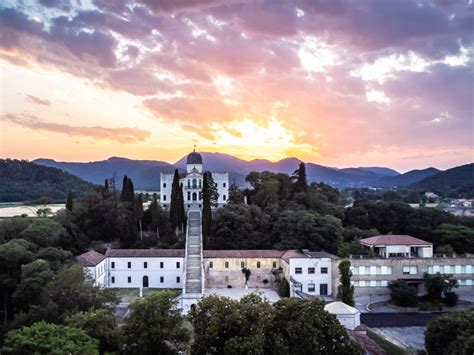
192 182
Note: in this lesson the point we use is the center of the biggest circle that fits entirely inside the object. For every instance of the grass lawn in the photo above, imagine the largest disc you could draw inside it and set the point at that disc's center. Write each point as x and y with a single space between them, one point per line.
389 347
131 294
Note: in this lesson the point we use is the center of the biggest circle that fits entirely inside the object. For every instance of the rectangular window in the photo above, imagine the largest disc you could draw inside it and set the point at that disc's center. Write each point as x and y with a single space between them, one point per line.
311 287
113 279
311 270
324 270
178 279
224 198
274 264
164 184
223 184
258 264
145 265
162 279
362 270
129 264
410 270
164 197
162 265
323 289
211 264
189 196
113 264
178 264
226 264
298 270
129 279
242 264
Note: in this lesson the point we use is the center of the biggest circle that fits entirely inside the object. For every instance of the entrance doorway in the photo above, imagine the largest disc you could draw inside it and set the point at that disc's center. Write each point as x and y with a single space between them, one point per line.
145 281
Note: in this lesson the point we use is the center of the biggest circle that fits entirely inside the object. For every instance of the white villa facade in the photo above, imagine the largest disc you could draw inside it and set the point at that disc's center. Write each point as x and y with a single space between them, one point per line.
192 182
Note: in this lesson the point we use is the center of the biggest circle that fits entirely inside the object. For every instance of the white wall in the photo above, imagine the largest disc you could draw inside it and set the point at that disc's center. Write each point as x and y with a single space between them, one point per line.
405 249
317 278
426 252
222 181
169 272
98 273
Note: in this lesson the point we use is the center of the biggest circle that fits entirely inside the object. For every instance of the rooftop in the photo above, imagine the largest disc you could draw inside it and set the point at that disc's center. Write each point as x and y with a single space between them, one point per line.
138 253
91 258
242 254
340 308
319 254
393 240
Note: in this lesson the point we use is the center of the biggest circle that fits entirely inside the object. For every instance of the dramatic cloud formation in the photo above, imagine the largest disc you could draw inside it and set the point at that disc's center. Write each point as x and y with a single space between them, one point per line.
380 81
121 135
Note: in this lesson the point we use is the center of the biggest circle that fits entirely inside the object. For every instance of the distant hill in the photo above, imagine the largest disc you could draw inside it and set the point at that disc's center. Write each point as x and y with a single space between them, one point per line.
21 180
458 181
145 174
406 179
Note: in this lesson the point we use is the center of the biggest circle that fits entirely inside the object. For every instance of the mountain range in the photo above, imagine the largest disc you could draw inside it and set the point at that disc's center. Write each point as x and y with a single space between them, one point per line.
146 173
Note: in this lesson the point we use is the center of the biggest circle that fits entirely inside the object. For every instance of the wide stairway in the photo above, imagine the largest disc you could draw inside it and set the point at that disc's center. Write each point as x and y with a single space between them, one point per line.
193 286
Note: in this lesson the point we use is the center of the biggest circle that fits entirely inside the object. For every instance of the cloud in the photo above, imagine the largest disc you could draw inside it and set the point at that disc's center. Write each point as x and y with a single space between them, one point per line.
121 135
37 100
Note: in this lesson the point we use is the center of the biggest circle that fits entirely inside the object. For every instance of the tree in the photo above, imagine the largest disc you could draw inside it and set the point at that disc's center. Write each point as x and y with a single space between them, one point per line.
402 294
69 201
451 333
174 204
128 194
235 195
300 181
155 325
345 291
181 210
45 338
139 214
460 238
99 324
209 200
436 285
284 288
302 327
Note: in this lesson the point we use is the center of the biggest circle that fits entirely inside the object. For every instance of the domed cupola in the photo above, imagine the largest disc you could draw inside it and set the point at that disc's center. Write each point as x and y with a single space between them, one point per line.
194 158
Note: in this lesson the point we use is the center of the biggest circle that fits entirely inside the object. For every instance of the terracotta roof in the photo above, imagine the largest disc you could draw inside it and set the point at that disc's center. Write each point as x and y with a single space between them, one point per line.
289 254
137 253
91 258
242 253
393 240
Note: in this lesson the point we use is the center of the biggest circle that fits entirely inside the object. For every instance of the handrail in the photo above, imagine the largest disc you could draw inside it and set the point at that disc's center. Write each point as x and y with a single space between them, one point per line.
202 256
185 257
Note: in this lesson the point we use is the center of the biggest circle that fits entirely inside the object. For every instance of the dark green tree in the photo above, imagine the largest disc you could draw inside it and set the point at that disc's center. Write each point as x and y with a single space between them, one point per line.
175 201
402 294
299 177
209 199
69 201
139 214
345 291
284 288
45 338
155 326
235 195
436 285
128 193
181 210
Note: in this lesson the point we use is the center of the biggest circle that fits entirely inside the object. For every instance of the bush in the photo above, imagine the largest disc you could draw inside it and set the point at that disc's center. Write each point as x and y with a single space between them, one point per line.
402 294
284 288
451 299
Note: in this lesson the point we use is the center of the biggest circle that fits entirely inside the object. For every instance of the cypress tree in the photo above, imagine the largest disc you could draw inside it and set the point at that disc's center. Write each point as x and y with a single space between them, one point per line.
139 213
123 194
174 204
301 182
182 212
69 201
345 291
206 206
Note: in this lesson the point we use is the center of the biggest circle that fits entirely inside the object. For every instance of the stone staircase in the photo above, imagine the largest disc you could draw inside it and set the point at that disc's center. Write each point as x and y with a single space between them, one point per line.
194 277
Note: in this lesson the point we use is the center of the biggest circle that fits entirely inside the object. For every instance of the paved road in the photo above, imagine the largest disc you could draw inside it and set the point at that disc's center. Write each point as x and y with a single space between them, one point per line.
406 319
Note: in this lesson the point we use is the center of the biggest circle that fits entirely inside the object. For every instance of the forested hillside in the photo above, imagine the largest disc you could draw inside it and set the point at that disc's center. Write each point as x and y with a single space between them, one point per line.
21 180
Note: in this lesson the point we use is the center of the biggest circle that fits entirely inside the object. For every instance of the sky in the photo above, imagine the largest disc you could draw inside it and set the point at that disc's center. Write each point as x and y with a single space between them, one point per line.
339 83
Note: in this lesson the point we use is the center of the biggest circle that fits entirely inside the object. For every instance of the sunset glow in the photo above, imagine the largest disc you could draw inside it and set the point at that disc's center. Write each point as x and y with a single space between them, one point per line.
333 83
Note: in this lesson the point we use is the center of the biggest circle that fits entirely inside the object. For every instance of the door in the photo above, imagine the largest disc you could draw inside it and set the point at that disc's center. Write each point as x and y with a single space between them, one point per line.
323 289
145 281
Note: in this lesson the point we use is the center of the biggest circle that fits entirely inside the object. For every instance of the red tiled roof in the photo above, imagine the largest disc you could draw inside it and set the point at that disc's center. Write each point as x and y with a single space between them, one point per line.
289 254
393 240
137 253
91 258
242 253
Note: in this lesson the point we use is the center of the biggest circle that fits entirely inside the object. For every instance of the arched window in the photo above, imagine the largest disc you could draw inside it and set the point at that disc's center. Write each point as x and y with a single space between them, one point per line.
194 196
200 184
194 184
145 281
189 184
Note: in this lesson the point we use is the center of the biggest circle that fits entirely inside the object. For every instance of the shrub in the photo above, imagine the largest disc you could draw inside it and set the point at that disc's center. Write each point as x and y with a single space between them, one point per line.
402 294
284 288
451 299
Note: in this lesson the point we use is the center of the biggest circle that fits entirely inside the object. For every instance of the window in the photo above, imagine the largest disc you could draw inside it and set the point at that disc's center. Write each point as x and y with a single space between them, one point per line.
178 279
178 264
113 264
324 270
274 264
129 264
224 197
145 265
258 264
211 264
410 270
189 196
223 184
164 184
311 287
113 279
129 279
311 270
162 265
323 289
226 264
242 264
298 270
162 279
164 197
